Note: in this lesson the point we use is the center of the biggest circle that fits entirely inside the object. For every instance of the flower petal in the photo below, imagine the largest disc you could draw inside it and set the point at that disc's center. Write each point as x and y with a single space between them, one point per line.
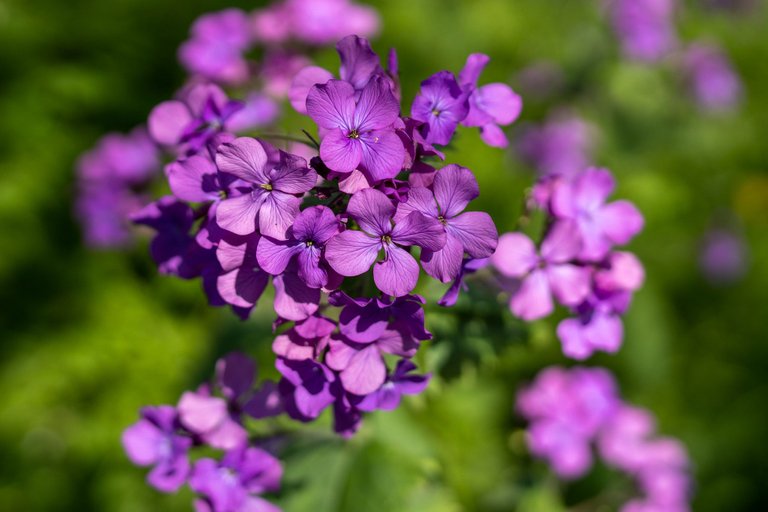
377 107
515 255
533 299
444 264
454 188
418 229
570 283
293 299
167 122
340 152
292 175
476 231
383 154
372 210
275 255
238 214
365 372
398 274
351 253
277 214
192 179
303 83
620 221
316 223
245 158
562 243
310 269
332 105
420 199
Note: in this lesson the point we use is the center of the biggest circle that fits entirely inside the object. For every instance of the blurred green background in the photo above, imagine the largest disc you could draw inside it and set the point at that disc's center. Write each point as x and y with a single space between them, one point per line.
88 337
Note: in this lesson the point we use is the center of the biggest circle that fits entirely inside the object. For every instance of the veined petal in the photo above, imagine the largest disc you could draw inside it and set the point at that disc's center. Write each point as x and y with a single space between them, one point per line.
515 255
238 214
358 61
293 299
398 274
316 223
186 178
292 175
444 264
377 107
277 214
310 270
476 231
332 105
245 158
420 199
275 255
454 188
372 210
340 152
382 155
533 299
351 253
418 229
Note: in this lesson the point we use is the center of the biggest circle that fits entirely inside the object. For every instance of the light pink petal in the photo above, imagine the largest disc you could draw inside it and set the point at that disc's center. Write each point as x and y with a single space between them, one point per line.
494 136
570 283
303 83
365 372
620 221
238 214
592 188
477 233
245 158
500 101
533 299
227 436
515 255
201 413
230 256
562 243
454 188
474 66
605 332
141 441
339 355
351 253
398 274
167 122
277 214
575 343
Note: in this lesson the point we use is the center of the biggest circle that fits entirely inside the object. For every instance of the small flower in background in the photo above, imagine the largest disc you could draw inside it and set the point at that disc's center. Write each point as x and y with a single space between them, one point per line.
572 411
644 27
723 256
560 146
710 75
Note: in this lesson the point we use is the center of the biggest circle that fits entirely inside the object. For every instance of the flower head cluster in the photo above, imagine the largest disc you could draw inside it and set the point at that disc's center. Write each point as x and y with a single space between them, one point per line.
112 179
165 436
570 411
575 262
342 238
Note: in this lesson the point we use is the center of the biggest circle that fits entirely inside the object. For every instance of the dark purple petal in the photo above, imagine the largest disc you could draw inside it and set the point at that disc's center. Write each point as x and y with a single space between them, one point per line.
310 269
332 105
235 374
294 300
351 253
418 229
454 188
398 274
242 287
317 224
265 402
358 61
474 66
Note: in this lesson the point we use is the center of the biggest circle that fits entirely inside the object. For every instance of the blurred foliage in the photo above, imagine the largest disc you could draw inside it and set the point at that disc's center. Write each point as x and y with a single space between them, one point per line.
89 337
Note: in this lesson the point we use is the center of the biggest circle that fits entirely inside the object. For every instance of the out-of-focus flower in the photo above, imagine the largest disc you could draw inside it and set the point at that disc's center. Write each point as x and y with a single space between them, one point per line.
723 256
645 27
561 146
714 82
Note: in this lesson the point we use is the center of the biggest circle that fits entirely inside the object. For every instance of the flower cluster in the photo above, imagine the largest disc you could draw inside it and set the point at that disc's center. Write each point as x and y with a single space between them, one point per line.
575 262
335 235
165 435
112 181
570 411
647 32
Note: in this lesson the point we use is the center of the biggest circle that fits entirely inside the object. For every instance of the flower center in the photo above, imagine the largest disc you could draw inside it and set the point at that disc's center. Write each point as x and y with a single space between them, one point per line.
442 220
266 186
386 239
436 112
309 243
354 134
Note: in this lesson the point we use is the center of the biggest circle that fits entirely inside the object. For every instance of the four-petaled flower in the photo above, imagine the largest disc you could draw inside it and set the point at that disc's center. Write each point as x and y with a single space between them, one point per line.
442 104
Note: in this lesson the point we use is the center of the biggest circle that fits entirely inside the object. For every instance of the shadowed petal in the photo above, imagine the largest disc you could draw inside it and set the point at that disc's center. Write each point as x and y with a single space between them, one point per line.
245 158
310 270
275 255
293 299
351 253
332 105
277 214
316 223
186 179
238 214
292 175
444 264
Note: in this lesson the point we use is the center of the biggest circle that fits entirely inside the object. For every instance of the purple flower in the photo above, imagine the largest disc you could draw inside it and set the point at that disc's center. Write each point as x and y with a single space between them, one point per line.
229 485
544 274
358 134
305 387
361 366
352 253
723 256
209 418
366 320
306 239
155 441
271 196
192 122
645 28
400 382
712 78
305 340
490 105
562 146
454 187
320 22
215 50
441 104
598 327
601 226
